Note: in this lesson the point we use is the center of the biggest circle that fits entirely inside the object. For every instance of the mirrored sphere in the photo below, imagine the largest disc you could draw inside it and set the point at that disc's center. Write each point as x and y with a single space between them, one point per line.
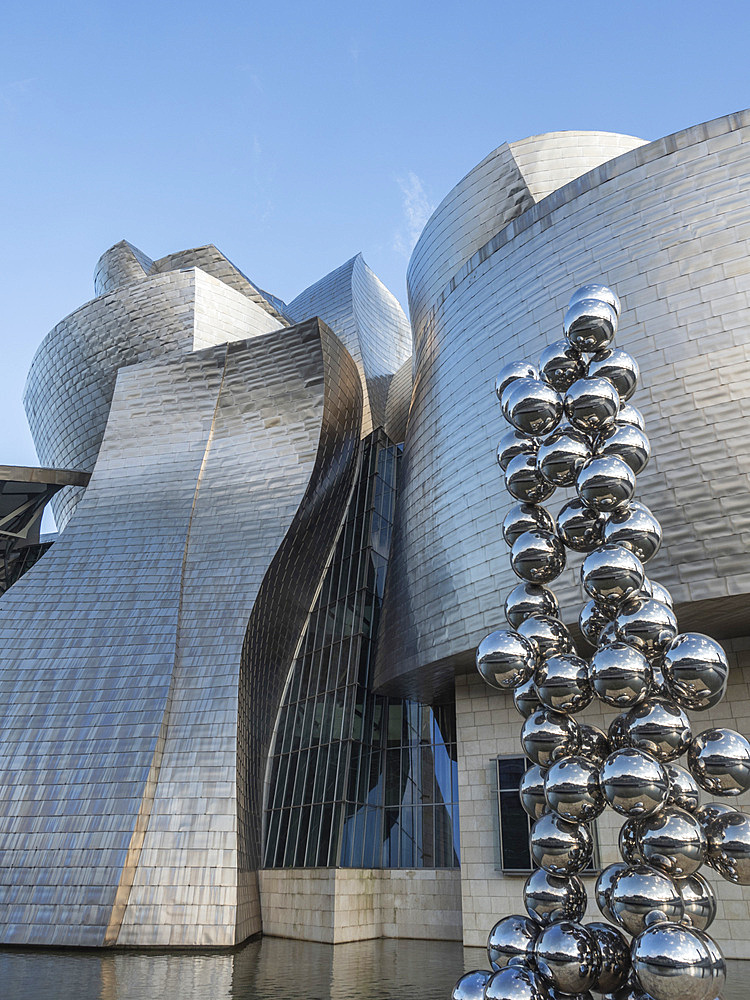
617 734
610 574
512 371
562 455
504 658
713 810
512 936
561 364
672 962
524 481
562 682
516 982
526 517
619 367
661 594
529 599
531 791
672 841
560 847
594 745
634 783
546 736
603 888
606 483
719 760
591 404
591 621
660 728
525 698
471 986
614 956
627 841
532 406
590 324
696 671
537 556
548 635
580 527
571 787
729 846
514 443
567 956
608 635
626 442
620 675
549 898
637 891
636 528
597 291
630 414
646 624
698 900
683 789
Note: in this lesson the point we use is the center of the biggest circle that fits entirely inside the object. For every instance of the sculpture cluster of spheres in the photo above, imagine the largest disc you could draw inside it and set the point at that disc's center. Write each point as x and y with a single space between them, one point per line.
571 424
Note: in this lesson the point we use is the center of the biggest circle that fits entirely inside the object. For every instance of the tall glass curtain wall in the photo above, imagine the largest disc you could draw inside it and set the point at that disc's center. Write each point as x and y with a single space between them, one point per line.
359 780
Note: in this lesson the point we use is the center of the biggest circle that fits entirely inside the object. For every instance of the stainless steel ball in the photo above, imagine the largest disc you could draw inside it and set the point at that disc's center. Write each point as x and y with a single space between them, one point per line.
572 790
617 734
630 414
531 791
637 891
514 443
611 574
546 736
672 841
548 635
636 528
594 745
471 985
529 599
605 483
627 841
698 899
683 789
713 810
603 888
532 406
516 982
661 594
525 698
524 481
560 847
619 367
608 635
626 442
504 659
647 625
567 957
549 898
562 455
579 527
634 782
729 846
561 364
512 371
672 962
591 621
562 682
526 517
660 728
591 404
614 956
593 290
620 675
510 937
696 671
590 324
719 760
537 556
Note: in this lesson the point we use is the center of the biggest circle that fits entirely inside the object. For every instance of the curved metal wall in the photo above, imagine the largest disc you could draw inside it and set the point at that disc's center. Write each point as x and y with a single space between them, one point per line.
668 226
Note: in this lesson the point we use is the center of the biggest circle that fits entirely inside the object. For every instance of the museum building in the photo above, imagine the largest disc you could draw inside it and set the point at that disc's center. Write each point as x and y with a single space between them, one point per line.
237 692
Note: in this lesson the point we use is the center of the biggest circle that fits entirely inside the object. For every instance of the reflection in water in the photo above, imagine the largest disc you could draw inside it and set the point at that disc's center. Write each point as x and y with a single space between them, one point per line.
271 969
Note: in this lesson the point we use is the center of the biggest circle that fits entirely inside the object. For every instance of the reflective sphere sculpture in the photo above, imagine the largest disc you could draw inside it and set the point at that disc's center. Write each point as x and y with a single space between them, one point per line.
673 841
562 455
512 371
696 671
610 574
571 787
531 791
505 658
561 364
614 957
719 760
620 675
635 528
634 783
603 888
672 962
591 404
471 986
627 841
537 556
590 324
605 483
698 899
594 745
524 482
579 527
546 736
525 698
515 982
630 414
548 634
532 406
646 624
549 898
560 847
713 810
567 957
596 291
683 789
619 367
628 443
608 635
529 599
510 937
661 594
616 734
562 682
591 621
514 443
637 891
659 728
729 846
526 517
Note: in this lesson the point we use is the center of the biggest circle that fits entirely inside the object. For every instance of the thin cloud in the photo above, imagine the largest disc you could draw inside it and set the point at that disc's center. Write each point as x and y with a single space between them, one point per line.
417 209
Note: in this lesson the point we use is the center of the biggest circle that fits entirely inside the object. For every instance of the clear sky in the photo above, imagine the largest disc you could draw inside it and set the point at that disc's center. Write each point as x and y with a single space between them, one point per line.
293 135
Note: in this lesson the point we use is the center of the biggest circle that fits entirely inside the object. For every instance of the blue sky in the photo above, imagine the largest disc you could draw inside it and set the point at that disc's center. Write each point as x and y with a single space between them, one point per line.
293 135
